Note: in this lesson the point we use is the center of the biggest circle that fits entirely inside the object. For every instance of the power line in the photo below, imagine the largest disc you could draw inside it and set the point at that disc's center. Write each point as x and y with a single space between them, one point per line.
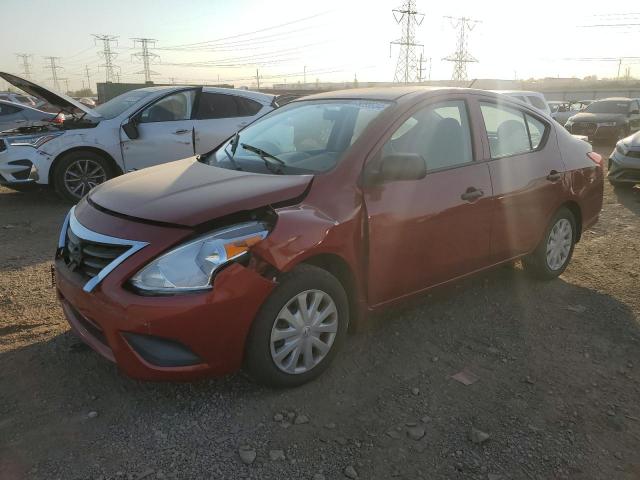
108 56
54 71
88 75
407 64
461 56
25 61
146 56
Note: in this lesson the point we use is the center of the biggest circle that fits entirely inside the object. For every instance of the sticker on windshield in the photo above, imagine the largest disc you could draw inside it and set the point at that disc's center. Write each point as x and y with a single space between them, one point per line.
371 105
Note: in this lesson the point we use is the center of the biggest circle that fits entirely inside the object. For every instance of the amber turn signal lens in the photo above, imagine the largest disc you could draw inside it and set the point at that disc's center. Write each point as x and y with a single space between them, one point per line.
240 246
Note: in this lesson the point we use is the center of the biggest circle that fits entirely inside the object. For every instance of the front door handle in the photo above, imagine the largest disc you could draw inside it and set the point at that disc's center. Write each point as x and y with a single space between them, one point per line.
181 132
554 176
472 194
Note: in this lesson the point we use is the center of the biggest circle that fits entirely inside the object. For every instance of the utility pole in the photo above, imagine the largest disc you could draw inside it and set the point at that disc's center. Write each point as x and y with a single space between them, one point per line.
420 70
54 71
146 56
25 61
66 83
258 78
619 65
461 56
108 56
430 63
408 17
88 75
305 74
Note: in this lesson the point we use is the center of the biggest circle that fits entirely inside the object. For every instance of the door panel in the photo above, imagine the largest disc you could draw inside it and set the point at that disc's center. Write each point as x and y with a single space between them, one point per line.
527 176
421 233
166 132
425 232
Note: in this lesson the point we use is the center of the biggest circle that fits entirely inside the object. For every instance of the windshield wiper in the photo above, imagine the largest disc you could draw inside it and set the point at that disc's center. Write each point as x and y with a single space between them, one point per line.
269 159
231 159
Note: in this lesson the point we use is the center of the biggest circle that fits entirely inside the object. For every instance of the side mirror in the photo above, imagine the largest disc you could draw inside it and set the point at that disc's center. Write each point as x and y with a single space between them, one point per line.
397 166
131 129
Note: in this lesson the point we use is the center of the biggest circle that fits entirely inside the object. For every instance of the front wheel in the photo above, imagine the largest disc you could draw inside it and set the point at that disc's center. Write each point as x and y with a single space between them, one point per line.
78 172
553 255
299 329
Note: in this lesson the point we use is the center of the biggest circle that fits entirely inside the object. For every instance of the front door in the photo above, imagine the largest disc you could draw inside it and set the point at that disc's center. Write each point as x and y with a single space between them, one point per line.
425 232
166 132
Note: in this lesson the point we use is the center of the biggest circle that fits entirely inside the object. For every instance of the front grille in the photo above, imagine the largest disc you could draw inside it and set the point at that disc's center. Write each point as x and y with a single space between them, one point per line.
633 154
88 257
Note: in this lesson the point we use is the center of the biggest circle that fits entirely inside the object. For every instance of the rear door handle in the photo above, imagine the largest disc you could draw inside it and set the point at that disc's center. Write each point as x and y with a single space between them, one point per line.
554 176
181 132
472 194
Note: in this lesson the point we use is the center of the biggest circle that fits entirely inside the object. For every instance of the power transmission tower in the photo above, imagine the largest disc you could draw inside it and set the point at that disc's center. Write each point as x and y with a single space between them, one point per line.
88 75
25 61
54 71
146 56
407 64
462 56
108 56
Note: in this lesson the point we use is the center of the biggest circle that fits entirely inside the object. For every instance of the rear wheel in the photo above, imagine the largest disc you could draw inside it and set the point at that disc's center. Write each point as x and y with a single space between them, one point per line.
78 172
553 255
299 329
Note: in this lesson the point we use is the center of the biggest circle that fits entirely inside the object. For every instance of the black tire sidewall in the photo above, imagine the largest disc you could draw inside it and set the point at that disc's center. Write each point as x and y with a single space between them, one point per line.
64 163
258 359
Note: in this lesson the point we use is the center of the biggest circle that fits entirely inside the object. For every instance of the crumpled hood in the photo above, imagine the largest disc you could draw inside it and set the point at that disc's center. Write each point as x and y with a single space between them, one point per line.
597 117
187 192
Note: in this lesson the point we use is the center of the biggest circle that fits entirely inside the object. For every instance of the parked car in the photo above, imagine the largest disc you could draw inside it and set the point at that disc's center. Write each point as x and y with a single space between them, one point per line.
135 130
535 99
27 100
561 111
89 102
608 119
624 162
264 251
16 115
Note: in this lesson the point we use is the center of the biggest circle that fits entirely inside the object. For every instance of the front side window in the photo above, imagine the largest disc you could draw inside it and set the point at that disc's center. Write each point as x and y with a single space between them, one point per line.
304 137
511 131
174 107
439 133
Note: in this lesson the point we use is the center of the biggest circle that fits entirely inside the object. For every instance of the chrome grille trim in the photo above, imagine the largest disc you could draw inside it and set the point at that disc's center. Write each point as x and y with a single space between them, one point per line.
80 231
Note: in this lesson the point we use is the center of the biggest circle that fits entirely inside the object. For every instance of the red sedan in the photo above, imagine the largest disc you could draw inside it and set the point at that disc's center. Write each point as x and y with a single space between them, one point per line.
263 252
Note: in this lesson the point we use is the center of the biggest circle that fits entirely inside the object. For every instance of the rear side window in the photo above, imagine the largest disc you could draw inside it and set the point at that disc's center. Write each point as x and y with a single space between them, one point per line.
511 131
8 109
439 133
219 105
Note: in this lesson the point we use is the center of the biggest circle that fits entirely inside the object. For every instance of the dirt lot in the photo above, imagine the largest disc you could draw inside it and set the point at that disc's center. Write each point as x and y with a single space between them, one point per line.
558 389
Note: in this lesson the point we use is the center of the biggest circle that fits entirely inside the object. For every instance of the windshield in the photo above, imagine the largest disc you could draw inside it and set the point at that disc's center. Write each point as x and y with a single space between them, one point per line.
608 106
299 138
119 104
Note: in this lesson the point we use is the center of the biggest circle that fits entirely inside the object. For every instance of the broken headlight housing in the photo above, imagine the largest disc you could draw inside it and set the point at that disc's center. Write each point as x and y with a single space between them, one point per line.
191 266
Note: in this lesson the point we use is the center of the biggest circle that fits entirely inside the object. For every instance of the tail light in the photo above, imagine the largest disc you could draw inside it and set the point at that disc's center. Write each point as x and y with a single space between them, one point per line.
595 158
59 118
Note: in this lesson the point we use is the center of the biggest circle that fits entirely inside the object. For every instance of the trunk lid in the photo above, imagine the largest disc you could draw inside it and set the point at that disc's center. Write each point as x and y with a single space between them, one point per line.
187 192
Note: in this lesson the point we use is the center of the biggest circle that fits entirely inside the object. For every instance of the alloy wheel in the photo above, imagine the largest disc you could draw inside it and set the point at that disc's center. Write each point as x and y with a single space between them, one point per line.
304 331
82 175
559 244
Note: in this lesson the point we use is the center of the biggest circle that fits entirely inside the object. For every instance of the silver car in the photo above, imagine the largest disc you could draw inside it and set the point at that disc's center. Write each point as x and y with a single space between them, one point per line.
624 162
15 115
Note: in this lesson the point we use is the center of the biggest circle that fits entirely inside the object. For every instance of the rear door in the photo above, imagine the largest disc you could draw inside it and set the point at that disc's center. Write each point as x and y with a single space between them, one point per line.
527 175
166 132
425 232
220 115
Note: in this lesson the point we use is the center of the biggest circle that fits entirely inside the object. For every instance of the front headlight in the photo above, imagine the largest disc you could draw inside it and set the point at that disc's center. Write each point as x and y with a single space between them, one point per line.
35 141
621 148
192 265
607 124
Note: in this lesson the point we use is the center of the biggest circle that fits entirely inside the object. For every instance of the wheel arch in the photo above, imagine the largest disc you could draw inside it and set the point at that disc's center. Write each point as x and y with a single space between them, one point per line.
96 150
575 209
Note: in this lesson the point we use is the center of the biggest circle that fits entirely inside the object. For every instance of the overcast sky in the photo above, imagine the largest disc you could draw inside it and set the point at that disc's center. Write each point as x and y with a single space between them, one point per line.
335 39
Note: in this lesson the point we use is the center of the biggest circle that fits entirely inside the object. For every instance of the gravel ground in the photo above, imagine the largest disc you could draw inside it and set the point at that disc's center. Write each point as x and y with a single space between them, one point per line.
557 367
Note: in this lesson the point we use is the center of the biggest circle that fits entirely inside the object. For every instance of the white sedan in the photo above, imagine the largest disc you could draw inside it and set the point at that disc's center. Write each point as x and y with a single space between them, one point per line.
16 115
137 129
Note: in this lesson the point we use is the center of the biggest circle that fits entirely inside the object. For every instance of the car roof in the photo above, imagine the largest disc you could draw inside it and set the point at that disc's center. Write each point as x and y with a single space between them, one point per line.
615 99
518 92
265 98
388 93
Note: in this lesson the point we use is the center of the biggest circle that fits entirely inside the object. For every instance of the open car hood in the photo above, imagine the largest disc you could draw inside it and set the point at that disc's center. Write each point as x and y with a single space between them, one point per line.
60 100
187 192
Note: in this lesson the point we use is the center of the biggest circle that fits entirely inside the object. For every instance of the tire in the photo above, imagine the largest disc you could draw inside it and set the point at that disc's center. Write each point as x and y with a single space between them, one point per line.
261 352
538 264
73 164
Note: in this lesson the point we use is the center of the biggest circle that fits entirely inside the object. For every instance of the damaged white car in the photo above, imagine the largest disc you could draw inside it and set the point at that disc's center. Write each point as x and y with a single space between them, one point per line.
137 129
